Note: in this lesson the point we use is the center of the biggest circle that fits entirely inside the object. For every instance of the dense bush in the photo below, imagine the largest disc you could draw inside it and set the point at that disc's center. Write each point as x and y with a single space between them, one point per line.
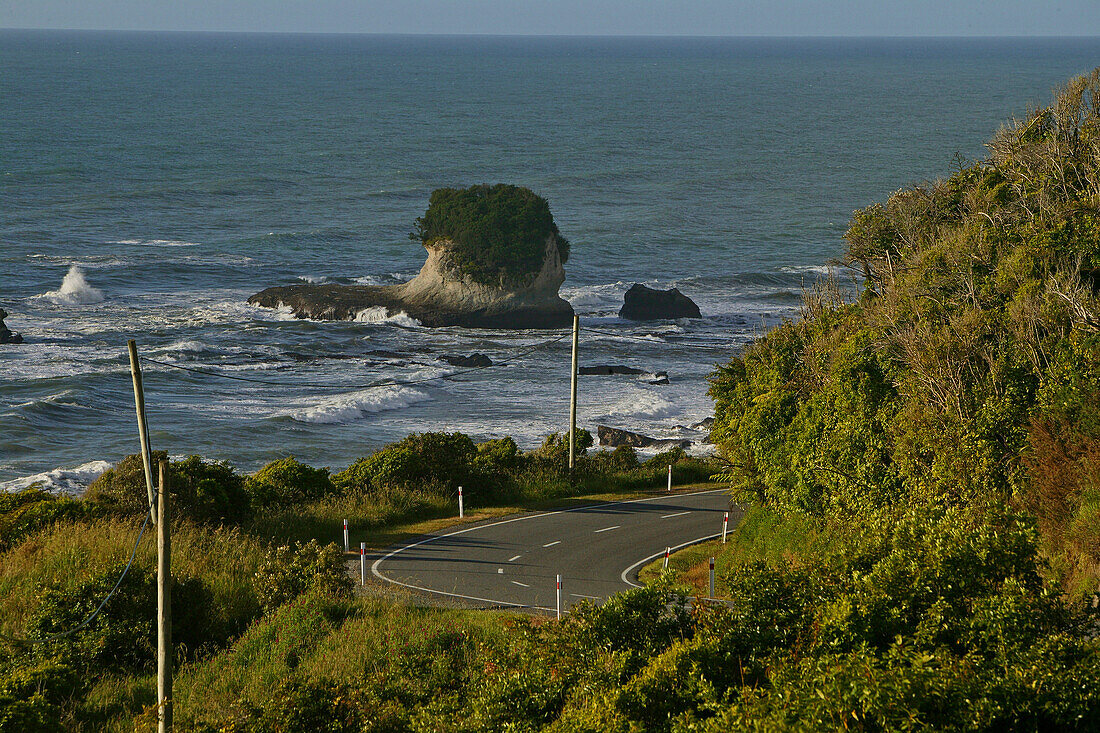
24 512
201 490
439 461
291 570
498 232
287 482
965 373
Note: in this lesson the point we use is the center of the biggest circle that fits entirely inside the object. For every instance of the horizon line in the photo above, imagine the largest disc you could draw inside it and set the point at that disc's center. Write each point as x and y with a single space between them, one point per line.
759 36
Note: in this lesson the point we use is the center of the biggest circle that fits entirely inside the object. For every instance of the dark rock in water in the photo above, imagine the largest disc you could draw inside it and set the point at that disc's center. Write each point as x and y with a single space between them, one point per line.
614 437
705 424
473 360
604 370
646 304
659 378
6 335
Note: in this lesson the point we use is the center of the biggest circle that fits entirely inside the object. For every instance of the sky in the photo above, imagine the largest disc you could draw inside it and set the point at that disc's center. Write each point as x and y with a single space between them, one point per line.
572 17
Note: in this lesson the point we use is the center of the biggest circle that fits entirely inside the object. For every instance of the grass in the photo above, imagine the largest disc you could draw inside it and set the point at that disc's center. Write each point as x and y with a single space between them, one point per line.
66 554
761 534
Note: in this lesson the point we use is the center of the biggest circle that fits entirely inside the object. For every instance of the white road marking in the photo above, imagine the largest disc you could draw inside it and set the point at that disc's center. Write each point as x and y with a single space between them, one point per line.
656 555
374 568
677 514
519 583
513 559
580 595
550 544
500 571
607 529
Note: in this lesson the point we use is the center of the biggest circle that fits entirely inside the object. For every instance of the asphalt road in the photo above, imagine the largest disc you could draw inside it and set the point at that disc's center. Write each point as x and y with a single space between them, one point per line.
514 562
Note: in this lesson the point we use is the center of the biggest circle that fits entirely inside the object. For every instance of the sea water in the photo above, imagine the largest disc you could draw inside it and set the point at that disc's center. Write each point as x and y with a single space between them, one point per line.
149 183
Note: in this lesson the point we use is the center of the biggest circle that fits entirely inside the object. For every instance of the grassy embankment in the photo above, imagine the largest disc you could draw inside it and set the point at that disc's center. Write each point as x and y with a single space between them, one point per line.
257 603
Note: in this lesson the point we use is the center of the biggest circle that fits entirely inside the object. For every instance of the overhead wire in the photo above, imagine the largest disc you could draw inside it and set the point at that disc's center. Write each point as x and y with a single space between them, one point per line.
92 616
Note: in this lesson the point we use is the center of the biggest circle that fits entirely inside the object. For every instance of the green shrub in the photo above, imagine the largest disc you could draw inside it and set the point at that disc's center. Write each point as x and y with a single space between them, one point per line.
203 491
287 482
24 512
437 461
123 635
34 698
498 232
292 570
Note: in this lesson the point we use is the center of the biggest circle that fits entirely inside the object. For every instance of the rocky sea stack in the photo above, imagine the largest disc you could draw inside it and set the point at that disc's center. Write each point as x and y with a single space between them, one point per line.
495 260
646 304
6 336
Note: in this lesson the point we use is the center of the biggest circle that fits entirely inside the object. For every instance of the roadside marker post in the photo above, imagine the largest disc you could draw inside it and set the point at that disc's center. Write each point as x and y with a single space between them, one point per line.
164 605
725 524
559 597
362 563
461 512
670 477
711 578
345 535
668 551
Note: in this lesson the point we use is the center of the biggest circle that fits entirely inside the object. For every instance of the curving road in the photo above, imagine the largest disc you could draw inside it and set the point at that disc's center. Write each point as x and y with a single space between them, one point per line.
513 562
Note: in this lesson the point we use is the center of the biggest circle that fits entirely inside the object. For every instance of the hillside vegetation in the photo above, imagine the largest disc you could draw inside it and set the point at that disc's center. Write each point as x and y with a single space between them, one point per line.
498 233
920 466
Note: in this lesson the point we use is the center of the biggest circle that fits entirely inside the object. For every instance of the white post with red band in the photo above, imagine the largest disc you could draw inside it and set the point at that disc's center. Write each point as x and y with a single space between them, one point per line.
559 596
725 524
670 477
461 513
711 578
345 535
363 563
668 551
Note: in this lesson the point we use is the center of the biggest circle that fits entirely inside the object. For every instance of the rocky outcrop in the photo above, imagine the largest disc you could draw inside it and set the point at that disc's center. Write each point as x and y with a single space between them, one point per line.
614 437
438 296
646 304
606 370
6 335
475 360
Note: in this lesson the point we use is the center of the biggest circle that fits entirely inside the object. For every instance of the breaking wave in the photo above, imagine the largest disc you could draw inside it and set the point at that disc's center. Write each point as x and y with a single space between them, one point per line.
355 405
74 290
71 481
379 314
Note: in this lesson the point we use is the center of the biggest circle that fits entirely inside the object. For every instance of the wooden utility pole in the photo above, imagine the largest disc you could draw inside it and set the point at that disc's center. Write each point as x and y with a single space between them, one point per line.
164 606
573 397
143 427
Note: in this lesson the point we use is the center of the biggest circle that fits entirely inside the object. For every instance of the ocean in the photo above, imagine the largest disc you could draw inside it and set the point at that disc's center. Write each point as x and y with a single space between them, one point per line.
151 182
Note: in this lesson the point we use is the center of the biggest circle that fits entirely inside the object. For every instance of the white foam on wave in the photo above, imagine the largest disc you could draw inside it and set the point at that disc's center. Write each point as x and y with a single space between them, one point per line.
812 269
379 314
644 405
74 290
72 481
313 279
157 242
355 405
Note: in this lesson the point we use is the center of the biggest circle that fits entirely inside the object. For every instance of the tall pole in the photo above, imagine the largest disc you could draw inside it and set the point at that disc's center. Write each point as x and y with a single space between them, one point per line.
143 427
164 606
573 397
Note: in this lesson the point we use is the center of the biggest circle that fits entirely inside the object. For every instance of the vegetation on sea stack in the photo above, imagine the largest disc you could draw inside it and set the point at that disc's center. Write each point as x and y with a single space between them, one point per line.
498 233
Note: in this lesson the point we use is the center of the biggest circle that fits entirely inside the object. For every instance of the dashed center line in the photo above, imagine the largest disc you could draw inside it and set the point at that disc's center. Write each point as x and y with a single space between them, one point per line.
513 559
581 595
607 529
550 544
519 583
677 514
